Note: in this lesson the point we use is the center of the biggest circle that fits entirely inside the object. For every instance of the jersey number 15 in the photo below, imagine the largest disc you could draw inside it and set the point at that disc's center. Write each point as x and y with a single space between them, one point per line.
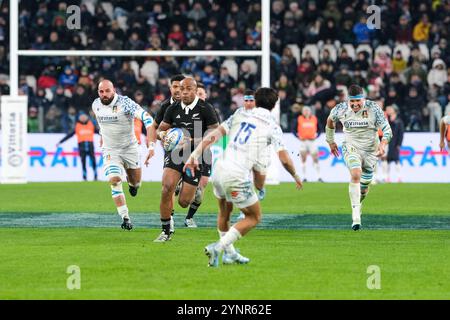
245 131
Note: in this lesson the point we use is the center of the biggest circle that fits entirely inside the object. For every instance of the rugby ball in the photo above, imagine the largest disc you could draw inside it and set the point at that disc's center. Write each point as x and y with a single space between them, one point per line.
173 138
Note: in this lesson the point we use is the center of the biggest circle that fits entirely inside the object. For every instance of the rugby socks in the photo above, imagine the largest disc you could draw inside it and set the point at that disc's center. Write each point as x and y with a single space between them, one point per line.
123 212
192 209
354 190
385 167
304 170
228 239
165 223
230 249
317 167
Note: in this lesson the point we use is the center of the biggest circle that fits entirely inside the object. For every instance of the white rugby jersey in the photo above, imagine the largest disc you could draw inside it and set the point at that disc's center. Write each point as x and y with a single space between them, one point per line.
361 128
249 135
446 119
116 121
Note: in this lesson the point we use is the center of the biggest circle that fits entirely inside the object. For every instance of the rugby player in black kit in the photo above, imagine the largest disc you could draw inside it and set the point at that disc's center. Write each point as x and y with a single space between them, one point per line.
175 95
187 114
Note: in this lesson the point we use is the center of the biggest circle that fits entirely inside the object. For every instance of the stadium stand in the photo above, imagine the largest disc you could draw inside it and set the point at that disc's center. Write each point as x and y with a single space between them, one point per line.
318 49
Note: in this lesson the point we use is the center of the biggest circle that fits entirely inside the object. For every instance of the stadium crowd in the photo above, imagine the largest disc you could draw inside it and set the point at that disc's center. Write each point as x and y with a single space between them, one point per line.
318 49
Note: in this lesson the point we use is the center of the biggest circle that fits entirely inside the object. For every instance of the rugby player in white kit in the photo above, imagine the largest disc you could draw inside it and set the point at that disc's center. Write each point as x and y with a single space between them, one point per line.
361 119
249 135
115 115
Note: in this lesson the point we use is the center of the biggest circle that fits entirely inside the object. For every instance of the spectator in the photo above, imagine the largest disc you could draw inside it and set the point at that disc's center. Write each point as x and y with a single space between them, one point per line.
33 121
398 63
413 109
421 30
69 119
111 43
403 34
317 85
68 79
361 31
384 62
60 100
52 121
438 74
81 100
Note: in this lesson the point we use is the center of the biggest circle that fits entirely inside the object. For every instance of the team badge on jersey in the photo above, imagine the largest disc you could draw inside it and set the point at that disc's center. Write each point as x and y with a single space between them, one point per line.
365 114
114 109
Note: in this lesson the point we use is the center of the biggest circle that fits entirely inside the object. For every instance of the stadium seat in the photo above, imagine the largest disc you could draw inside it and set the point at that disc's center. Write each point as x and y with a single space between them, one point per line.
109 9
332 49
367 48
424 51
404 49
135 67
383 48
150 70
313 50
232 67
31 81
295 51
252 64
350 50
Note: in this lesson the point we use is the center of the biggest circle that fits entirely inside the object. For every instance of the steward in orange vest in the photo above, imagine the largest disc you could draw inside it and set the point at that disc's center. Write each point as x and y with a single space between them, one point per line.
84 131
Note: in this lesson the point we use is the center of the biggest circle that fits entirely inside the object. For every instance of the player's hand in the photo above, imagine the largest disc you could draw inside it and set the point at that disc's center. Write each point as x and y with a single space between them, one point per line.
192 165
151 153
334 149
381 148
442 145
162 136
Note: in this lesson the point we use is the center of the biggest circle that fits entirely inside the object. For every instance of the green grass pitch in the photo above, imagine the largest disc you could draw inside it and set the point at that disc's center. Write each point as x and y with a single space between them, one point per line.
407 236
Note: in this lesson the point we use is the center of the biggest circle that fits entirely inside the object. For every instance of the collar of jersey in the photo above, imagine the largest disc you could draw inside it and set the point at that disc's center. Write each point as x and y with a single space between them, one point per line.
172 100
190 106
113 102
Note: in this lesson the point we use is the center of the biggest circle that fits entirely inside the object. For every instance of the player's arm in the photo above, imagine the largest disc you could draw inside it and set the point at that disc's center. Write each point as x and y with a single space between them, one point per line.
442 129
330 129
192 163
67 137
382 123
139 113
276 140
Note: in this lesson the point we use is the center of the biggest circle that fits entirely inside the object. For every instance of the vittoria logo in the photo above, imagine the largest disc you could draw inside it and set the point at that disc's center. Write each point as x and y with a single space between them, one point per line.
356 124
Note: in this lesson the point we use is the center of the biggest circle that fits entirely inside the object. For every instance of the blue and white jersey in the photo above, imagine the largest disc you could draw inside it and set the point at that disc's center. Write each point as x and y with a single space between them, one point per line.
116 121
361 128
250 133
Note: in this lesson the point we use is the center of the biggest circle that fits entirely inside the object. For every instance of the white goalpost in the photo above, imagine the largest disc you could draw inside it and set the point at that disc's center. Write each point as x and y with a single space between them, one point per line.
15 53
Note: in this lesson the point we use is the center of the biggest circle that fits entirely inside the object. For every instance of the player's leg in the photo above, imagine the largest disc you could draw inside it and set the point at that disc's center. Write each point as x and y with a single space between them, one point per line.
83 155
134 177
231 254
385 170
131 160
241 194
303 157
193 207
188 187
315 157
113 172
353 162
259 181
92 159
367 173
170 179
